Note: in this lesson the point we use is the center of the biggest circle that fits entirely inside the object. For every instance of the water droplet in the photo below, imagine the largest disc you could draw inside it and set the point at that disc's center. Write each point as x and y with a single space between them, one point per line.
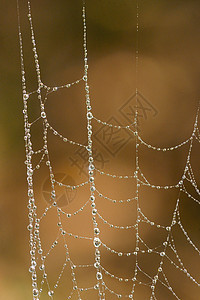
97 242
99 276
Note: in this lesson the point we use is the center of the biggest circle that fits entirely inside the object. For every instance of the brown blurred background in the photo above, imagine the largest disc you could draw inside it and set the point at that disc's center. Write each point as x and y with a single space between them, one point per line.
169 64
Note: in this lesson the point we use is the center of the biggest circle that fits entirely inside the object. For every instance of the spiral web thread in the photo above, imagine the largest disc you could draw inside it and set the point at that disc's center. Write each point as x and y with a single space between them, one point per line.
102 289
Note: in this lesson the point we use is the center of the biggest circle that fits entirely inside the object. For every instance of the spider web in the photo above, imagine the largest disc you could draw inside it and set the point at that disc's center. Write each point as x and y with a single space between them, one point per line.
42 250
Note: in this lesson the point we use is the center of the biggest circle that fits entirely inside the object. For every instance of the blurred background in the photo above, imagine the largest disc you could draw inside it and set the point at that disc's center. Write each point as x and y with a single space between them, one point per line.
169 64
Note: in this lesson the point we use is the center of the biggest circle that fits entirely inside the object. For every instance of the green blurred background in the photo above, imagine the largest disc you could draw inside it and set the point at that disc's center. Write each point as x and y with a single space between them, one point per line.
169 64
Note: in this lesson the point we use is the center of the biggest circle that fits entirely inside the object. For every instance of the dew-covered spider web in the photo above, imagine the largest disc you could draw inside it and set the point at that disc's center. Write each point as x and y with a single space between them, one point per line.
72 250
